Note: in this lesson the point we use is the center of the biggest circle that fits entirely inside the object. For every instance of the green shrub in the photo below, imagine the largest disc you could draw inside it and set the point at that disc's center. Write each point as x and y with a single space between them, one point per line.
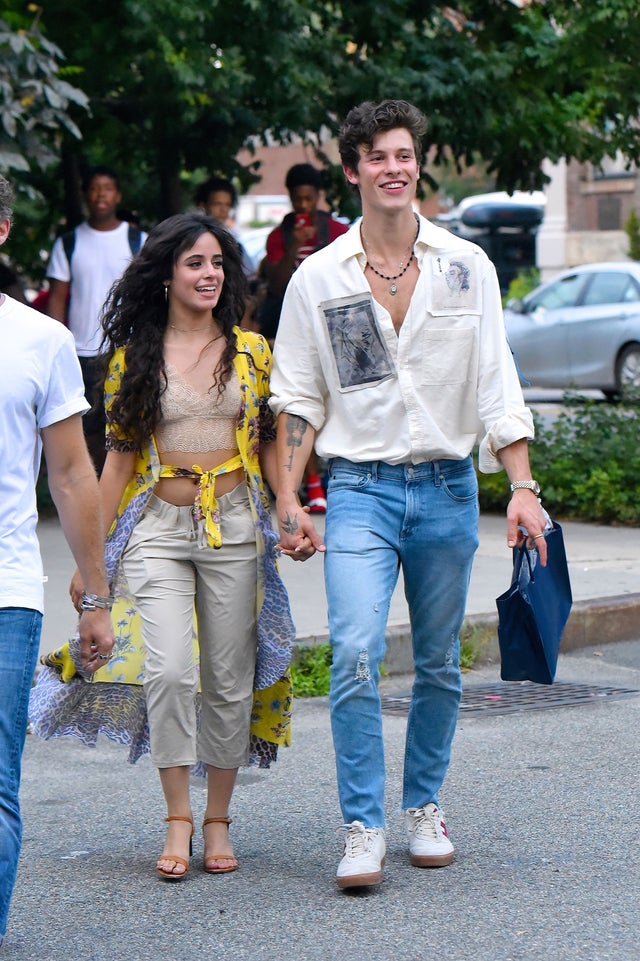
474 639
310 670
587 462
632 230
522 284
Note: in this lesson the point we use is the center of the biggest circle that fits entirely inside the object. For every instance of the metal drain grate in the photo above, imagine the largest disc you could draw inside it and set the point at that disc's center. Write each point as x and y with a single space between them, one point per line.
510 697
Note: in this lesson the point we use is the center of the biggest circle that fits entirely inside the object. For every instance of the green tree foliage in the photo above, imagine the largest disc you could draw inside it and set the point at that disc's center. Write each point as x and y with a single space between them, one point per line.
34 98
39 110
176 89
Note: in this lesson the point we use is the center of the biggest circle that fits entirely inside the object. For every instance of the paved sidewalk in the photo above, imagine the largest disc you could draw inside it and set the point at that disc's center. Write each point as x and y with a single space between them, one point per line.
603 563
541 806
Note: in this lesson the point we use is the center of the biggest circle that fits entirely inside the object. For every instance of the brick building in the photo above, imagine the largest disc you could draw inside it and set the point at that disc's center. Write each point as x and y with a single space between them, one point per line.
586 212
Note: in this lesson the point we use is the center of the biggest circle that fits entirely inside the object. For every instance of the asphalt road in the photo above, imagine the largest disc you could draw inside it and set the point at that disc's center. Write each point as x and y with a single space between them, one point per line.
542 807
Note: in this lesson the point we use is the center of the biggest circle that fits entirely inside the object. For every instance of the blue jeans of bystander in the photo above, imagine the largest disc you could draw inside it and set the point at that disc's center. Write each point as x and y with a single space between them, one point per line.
423 517
19 643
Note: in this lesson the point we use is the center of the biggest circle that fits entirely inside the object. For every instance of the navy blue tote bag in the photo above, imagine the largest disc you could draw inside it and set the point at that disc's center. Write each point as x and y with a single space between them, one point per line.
532 614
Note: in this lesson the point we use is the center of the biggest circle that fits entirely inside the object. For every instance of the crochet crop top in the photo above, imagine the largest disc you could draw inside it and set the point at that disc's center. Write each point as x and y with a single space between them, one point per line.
194 422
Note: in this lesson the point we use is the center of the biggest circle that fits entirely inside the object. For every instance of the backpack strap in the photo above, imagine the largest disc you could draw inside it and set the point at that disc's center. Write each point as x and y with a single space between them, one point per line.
135 239
68 244
323 228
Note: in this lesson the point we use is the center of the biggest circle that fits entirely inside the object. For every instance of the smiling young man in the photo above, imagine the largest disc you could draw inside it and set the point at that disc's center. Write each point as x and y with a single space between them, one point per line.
396 374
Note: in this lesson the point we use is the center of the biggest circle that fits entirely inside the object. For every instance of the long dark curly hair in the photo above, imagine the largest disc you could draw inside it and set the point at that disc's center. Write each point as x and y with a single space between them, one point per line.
135 317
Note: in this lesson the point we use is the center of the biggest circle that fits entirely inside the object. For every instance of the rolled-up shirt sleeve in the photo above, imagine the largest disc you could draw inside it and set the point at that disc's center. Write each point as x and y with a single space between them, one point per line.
501 405
507 430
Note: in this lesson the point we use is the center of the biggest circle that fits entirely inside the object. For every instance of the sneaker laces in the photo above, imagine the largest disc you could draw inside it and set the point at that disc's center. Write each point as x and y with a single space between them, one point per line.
358 839
427 824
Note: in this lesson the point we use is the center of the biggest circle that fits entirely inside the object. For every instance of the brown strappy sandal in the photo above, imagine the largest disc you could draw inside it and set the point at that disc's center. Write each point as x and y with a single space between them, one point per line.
169 875
233 861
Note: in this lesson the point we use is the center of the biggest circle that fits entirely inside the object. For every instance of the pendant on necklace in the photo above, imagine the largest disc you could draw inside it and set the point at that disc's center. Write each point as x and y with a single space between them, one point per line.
393 289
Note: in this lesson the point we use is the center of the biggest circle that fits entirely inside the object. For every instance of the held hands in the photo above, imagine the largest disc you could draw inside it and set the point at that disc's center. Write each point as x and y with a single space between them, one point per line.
525 510
298 537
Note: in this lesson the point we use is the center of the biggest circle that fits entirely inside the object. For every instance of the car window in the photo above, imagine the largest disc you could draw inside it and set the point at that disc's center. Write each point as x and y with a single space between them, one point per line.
611 288
562 293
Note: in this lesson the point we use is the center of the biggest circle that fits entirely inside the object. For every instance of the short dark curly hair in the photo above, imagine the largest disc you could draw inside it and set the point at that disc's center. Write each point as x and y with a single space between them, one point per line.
363 122
214 185
303 175
100 170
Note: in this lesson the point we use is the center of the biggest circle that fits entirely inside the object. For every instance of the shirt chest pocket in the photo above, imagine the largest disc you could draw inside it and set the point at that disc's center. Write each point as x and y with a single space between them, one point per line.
453 287
448 356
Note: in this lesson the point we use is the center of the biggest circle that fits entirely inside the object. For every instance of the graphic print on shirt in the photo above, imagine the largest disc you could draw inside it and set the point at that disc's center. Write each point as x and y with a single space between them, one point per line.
454 284
360 353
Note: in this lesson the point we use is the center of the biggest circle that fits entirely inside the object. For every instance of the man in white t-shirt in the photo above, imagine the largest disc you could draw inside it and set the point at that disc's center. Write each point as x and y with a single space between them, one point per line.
41 406
84 265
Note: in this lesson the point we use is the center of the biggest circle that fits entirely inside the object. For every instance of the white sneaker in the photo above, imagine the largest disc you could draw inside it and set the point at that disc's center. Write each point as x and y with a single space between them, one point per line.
363 859
429 844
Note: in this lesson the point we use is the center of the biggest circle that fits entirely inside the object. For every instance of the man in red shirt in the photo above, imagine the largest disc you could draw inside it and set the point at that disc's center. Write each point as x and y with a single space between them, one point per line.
302 232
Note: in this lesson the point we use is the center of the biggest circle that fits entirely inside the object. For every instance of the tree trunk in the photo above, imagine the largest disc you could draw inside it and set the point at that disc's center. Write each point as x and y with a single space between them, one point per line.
72 185
170 201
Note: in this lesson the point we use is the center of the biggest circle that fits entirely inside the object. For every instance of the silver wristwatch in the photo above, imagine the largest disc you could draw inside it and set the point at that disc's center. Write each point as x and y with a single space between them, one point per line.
530 485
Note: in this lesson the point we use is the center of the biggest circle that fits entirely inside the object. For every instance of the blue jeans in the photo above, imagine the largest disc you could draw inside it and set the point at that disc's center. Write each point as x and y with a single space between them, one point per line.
425 518
19 643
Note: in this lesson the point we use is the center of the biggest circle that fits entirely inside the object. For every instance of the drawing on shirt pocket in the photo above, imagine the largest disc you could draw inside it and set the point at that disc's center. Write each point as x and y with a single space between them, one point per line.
447 355
360 353
454 287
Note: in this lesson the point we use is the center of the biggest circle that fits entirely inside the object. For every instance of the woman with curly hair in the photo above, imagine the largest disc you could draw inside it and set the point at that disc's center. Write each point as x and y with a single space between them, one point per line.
189 439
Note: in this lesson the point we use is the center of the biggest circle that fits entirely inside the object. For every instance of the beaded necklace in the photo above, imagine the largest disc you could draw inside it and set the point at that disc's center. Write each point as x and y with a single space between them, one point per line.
393 289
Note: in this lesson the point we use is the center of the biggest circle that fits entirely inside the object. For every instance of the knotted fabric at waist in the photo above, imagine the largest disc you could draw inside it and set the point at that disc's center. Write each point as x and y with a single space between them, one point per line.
206 505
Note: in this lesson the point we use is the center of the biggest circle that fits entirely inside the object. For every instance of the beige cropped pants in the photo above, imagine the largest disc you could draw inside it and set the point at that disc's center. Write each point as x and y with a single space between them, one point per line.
171 571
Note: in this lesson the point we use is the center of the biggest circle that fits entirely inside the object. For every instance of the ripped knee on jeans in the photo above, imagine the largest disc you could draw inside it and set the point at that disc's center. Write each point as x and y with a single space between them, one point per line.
451 656
363 671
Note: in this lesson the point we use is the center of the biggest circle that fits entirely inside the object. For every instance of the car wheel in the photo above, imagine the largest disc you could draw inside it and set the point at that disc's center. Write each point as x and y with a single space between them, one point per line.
628 367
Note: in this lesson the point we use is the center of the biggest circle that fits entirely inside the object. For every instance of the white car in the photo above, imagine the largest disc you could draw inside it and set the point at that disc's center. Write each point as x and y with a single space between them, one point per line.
580 330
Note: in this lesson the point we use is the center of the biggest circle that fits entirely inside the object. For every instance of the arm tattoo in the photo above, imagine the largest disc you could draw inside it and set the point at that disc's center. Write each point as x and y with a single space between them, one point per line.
296 429
289 524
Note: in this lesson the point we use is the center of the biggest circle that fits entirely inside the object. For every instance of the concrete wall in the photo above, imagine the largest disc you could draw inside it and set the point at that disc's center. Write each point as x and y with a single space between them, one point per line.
592 246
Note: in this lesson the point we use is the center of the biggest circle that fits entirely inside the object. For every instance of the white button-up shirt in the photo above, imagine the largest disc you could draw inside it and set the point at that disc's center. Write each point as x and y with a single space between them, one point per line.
446 382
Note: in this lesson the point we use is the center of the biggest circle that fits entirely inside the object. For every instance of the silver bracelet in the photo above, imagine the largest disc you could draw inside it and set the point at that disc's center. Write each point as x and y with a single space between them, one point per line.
94 602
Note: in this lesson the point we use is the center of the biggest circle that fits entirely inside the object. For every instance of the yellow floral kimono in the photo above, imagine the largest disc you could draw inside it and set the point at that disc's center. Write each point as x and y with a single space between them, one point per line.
62 702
